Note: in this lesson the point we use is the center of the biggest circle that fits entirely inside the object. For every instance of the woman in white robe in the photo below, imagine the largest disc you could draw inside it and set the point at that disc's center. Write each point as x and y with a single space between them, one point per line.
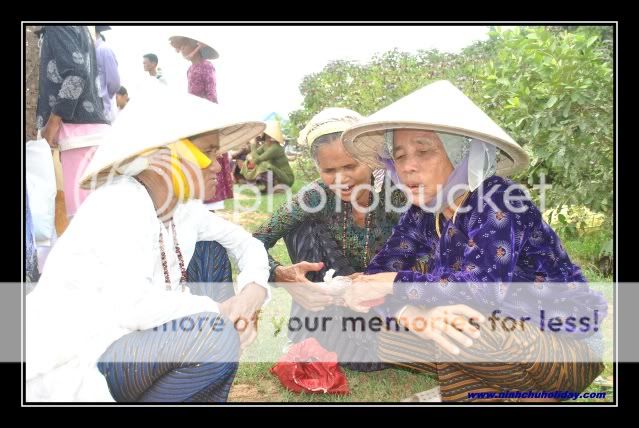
101 323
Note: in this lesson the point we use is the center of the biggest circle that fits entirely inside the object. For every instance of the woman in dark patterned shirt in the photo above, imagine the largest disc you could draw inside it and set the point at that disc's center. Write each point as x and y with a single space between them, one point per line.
323 230
70 112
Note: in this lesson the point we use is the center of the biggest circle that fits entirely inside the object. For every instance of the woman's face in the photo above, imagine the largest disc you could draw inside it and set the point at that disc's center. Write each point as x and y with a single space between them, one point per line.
209 144
421 163
339 171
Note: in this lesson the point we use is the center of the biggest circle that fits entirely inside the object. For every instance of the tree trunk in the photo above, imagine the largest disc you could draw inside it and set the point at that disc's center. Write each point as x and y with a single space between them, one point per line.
32 74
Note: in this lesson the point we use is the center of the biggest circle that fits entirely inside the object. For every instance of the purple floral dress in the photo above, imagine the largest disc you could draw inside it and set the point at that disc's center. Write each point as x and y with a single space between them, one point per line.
491 257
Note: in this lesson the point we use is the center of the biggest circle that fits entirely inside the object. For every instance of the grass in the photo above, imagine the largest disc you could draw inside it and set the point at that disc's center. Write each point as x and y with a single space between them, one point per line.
255 383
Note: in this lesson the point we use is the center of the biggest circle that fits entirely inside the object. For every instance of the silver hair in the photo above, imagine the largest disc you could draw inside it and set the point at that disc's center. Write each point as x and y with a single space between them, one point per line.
320 141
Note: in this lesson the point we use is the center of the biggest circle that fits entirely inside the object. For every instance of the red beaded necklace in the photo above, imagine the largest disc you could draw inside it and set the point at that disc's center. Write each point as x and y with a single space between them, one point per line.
167 279
184 277
365 258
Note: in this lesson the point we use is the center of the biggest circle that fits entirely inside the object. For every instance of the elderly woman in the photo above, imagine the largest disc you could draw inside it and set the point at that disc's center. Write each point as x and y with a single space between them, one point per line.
471 245
202 82
270 156
330 224
129 308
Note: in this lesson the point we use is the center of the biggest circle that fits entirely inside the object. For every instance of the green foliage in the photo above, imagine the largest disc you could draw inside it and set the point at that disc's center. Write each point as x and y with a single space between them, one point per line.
552 91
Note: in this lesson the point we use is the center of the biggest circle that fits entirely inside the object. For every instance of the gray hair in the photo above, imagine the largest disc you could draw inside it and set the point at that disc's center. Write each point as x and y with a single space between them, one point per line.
320 141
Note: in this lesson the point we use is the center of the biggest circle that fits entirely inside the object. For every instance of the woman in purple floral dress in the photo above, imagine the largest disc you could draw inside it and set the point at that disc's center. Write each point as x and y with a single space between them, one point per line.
202 82
472 272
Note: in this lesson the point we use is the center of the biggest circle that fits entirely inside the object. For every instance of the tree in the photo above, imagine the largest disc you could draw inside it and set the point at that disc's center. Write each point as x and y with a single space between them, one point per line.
552 91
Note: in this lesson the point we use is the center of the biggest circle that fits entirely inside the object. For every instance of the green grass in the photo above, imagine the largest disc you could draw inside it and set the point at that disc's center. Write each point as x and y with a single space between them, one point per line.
255 383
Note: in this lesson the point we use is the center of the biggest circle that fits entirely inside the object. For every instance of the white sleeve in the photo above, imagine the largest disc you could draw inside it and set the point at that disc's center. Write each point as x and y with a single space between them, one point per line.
124 247
249 253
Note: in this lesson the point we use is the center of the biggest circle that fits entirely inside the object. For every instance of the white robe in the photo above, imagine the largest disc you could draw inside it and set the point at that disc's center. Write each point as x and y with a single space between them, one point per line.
104 279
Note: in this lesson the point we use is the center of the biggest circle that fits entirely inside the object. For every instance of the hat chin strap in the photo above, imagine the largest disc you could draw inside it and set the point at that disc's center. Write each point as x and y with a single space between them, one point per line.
195 51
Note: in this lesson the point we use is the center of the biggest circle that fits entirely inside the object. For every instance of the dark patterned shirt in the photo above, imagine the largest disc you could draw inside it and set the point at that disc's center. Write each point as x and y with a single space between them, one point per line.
286 219
69 82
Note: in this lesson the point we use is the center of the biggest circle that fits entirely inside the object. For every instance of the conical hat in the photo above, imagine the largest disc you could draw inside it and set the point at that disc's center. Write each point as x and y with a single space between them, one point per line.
274 131
200 34
159 116
327 121
439 107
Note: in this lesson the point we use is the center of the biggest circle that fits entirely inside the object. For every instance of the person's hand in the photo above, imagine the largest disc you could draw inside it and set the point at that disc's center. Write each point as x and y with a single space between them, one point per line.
367 291
448 326
311 296
243 311
51 130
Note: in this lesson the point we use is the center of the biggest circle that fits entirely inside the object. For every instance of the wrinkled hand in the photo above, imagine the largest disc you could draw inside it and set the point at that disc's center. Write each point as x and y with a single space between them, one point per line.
367 291
311 296
243 311
445 325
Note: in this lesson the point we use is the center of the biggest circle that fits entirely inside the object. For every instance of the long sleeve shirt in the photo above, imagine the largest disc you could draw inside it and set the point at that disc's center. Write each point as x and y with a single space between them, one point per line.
491 257
108 73
69 77
304 208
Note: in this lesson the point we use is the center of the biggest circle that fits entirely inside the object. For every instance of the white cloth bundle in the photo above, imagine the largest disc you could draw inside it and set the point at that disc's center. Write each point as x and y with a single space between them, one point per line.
41 188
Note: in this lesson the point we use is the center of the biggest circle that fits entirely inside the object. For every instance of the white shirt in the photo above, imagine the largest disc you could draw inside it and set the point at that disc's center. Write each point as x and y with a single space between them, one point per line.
104 279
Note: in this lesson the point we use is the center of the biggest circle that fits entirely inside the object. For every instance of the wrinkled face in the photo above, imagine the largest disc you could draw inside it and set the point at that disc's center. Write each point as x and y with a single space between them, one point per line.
339 170
421 163
148 65
209 144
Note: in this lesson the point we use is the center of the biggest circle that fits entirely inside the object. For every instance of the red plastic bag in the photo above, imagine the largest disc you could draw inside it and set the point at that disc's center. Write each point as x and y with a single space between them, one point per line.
308 367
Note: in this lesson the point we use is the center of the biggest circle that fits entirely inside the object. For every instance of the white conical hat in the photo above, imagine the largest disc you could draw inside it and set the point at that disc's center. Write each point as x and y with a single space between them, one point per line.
327 121
439 107
158 116
274 131
200 34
